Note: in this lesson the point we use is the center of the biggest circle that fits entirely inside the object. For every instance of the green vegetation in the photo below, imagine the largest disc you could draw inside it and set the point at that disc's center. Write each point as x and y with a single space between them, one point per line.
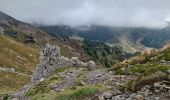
150 79
42 93
40 88
78 93
147 67
103 53
79 80
20 36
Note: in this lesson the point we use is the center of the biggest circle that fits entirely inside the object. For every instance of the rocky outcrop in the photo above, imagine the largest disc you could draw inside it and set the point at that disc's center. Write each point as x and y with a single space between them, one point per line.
90 64
158 91
1 31
164 62
7 69
50 60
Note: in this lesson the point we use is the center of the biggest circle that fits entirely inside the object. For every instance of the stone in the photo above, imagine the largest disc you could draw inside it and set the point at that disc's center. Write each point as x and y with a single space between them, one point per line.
91 64
82 83
42 79
168 71
1 31
129 99
74 59
107 95
139 97
133 96
118 92
100 97
7 69
157 90
14 99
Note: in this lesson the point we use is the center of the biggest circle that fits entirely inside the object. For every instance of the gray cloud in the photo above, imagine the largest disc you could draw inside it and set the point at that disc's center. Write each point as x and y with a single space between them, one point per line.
145 13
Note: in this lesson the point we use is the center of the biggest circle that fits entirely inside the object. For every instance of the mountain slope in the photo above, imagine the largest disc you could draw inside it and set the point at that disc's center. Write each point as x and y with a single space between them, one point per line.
150 67
145 76
19 51
136 36
17 55
23 31
17 61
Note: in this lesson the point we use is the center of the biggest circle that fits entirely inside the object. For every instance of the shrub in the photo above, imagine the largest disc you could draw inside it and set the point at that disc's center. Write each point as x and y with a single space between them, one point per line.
78 93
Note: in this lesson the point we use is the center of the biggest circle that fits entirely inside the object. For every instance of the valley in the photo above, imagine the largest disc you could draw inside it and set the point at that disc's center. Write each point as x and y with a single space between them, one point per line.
90 62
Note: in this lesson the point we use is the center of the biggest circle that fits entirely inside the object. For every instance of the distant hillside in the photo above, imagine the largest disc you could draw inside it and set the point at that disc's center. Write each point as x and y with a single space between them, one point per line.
155 38
105 54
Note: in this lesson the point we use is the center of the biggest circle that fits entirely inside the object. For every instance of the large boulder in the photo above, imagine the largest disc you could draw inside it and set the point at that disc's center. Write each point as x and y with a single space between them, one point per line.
91 64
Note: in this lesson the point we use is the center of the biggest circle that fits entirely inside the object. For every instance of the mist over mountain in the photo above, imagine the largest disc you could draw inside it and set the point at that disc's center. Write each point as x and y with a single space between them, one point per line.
84 50
154 38
129 13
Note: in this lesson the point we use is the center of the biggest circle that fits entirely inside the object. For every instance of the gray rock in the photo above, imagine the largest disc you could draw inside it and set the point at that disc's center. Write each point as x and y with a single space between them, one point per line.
91 64
133 96
139 97
1 31
107 95
100 97
50 60
118 92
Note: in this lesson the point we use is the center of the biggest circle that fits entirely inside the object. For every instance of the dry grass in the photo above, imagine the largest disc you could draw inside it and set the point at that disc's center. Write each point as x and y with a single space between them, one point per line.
10 82
21 57
147 80
18 55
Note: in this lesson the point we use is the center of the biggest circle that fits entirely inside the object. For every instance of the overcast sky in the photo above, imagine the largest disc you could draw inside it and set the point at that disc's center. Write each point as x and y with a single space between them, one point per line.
145 13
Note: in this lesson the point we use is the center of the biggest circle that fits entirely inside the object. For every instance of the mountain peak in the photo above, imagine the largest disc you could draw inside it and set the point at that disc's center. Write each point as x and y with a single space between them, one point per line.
4 16
6 19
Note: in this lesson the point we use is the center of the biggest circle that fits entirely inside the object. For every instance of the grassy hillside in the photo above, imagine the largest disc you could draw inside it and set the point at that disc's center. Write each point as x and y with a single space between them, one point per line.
150 67
17 55
10 82
21 57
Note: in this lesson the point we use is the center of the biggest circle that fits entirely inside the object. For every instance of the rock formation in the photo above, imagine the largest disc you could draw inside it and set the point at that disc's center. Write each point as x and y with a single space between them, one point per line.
50 60
1 31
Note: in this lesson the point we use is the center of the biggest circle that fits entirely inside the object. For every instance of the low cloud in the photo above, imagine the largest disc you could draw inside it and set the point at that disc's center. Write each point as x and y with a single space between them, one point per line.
129 13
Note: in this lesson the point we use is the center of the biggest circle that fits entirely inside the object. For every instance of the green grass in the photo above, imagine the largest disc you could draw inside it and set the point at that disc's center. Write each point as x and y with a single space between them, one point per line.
42 93
79 79
41 88
147 69
78 93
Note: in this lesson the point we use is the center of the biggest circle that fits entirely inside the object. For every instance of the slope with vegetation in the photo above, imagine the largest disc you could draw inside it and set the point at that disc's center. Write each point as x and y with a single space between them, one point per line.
103 53
22 58
150 67
19 51
145 36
